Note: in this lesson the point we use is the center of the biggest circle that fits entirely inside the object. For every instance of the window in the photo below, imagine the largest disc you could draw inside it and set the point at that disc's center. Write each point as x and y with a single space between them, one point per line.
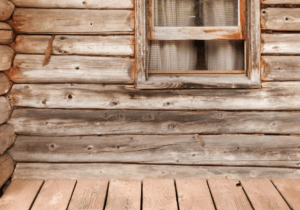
197 44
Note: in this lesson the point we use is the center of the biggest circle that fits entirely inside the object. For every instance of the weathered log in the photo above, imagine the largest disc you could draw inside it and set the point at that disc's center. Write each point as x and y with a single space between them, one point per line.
7 137
76 45
280 1
5 110
280 19
37 21
131 171
5 84
6 34
80 69
281 44
6 9
246 150
273 96
7 166
57 122
6 57
281 68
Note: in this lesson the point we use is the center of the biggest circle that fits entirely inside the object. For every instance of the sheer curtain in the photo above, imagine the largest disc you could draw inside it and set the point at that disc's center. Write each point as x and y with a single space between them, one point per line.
196 55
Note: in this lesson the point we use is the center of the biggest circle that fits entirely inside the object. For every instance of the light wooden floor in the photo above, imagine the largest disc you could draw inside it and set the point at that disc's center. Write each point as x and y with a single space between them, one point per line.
152 194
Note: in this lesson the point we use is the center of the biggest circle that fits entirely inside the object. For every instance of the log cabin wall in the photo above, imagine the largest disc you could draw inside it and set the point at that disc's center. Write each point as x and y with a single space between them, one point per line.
74 100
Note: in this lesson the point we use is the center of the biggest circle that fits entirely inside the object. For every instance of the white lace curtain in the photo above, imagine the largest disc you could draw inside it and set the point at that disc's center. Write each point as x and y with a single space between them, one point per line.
196 55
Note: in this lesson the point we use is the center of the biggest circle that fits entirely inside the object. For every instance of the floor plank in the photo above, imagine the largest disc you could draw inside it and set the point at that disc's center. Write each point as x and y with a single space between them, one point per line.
159 194
263 195
124 195
89 195
54 195
193 194
20 194
290 190
228 194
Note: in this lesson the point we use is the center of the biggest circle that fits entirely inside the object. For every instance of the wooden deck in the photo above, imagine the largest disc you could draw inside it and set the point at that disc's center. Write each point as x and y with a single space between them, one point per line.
152 194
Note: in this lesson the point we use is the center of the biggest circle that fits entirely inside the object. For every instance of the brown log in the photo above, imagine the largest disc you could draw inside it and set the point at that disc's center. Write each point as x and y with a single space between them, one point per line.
5 84
7 137
6 168
6 9
5 110
6 34
285 44
6 57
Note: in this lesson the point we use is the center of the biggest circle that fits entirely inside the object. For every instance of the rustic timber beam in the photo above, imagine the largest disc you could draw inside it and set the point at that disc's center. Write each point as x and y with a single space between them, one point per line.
6 57
6 34
280 1
7 137
7 166
6 9
280 44
5 84
5 110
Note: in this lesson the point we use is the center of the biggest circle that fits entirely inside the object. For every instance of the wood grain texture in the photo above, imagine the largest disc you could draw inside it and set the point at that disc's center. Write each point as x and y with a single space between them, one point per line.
124 195
5 26
273 96
6 36
290 190
159 194
228 194
89 195
280 2
54 195
250 150
7 166
5 84
5 110
7 137
76 45
263 195
138 171
6 57
79 69
282 44
76 4
20 194
194 194
70 21
6 9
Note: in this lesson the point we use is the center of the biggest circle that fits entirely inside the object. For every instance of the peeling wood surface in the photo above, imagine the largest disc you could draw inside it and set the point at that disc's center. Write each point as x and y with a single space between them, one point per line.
5 109
5 84
246 150
286 44
79 69
76 45
7 167
6 9
132 171
273 96
7 137
6 57
70 21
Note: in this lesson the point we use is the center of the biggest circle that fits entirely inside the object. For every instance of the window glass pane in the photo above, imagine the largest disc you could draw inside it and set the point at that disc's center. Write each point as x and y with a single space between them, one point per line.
196 55
195 13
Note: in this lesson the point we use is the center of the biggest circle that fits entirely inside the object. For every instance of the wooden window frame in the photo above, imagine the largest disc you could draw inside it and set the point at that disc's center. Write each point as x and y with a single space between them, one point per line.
202 79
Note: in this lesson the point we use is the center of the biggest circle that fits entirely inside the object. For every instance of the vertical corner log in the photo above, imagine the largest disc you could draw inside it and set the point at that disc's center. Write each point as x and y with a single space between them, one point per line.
6 10
6 57
7 35
7 166
5 84
5 110
7 137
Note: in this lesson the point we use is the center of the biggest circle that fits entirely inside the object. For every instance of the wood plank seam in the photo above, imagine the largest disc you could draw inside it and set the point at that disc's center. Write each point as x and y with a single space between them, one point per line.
211 195
37 195
246 195
176 193
72 195
281 194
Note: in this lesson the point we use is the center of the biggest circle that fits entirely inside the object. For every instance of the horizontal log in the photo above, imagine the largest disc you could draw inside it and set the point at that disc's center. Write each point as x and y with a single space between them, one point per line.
42 21
281 19
44 122
5 26
6 57
5 110
6 36
226 150
7 137
6 9
281 68
280 1
79 69
5 84
273 96
131 171
6 168
76 4
76 45
286 44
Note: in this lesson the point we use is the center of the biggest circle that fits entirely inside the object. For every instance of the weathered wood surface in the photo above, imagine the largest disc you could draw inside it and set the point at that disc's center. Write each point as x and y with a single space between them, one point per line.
280 1
5 109
133 171
55 194
280 68
5 84
70 21
281 19
194 194
7 166
5 26
89 195
7 137
76 45
272 96
263 195
6 9
80 69
228 194
285 44
159 194
76 4
20 194
6 36
290 190
57 122
6 57
124 195
251 150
